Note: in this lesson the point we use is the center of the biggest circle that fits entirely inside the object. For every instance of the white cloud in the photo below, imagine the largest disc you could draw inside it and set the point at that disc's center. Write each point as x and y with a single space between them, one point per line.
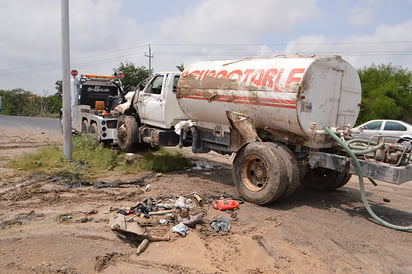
31 40
364 12
237 21
102 35
388 44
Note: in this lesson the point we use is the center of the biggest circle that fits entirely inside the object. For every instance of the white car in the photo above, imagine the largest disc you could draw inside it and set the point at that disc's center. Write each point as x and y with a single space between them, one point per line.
392 130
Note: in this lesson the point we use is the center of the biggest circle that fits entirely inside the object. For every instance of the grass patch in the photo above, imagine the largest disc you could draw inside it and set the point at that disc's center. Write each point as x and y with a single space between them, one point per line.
91 158
160 160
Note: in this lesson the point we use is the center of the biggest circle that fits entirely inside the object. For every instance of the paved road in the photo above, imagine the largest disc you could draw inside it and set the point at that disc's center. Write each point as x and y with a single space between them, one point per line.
35 123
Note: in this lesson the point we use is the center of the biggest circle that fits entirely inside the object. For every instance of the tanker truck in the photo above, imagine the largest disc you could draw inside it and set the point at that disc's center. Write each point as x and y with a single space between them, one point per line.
282 116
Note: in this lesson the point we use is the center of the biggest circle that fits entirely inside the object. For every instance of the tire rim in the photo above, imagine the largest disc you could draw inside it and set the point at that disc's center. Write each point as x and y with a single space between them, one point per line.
255 173
121 134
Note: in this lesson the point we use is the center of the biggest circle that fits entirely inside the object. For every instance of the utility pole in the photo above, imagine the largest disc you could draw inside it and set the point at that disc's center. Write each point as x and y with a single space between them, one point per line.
150 56
67 112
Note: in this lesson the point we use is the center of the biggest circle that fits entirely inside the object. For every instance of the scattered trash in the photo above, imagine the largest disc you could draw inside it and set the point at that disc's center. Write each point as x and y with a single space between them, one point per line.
225 204
20 218
142 247
147 188
74 217
201 166
181 213
126 211
163 212
184 202
221 224
180 202
141 210
198 199
93 211
165 206
163 221
130 158
132 233
181 228
192 220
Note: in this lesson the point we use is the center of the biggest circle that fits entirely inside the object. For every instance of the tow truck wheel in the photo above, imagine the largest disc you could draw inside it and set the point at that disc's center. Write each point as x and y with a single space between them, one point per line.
93 130
322 179
127 133
84 126
260 173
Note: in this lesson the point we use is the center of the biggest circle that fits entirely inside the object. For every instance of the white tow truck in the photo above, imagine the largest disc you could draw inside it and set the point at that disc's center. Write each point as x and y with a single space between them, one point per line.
94 98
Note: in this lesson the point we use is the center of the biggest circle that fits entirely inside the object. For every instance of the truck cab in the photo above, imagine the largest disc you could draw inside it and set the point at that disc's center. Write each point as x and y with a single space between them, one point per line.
157 104
153 113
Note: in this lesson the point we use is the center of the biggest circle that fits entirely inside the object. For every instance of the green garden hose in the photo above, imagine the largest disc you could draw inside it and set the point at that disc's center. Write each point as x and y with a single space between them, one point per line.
358 150
362 186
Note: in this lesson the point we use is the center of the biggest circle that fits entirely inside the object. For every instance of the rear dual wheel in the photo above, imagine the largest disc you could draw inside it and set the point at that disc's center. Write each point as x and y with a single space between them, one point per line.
264 172
93 130
85 126
322 179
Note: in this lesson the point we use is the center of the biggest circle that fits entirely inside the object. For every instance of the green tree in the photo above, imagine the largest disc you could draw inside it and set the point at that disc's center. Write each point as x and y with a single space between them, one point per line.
132 75
21 102
17 102
386 93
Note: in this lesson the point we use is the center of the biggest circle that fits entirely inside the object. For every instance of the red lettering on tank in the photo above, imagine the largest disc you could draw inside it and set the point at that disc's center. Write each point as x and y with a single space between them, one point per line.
246 75
270 78
292 76
195 73
200 76
257 77
267 80
237 72
210 73
276 84
222 74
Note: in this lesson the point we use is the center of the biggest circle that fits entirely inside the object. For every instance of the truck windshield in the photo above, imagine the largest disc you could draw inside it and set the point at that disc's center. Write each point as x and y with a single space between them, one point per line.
89 94
175 80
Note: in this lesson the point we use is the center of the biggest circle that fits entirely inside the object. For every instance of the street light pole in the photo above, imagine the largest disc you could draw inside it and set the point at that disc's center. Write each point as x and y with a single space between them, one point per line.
67 112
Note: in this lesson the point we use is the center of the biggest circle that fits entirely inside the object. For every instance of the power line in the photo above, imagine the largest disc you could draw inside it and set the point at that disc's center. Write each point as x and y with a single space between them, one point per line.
170 49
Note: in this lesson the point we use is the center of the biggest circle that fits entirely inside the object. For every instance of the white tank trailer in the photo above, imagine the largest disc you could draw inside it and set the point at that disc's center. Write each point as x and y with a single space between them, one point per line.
275 113
283 117
289 96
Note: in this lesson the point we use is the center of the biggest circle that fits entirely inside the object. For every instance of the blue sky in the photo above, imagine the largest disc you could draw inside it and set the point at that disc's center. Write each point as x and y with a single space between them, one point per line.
105 33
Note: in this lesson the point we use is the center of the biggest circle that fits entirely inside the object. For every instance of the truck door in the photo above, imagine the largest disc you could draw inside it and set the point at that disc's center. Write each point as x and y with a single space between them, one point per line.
151 102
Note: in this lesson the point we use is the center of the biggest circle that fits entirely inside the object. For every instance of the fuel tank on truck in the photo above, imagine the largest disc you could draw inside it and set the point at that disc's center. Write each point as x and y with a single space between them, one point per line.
290 94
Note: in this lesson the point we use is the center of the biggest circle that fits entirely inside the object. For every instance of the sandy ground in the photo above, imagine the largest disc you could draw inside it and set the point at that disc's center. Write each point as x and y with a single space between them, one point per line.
50 228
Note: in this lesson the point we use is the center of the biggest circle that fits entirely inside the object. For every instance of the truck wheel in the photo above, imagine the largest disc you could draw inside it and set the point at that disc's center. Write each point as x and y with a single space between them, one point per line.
293 170
127 133
259 173
84 127
322 179
342 180
93 130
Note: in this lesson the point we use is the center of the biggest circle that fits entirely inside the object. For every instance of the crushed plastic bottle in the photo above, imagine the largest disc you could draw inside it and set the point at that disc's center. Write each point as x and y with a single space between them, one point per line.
181 228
